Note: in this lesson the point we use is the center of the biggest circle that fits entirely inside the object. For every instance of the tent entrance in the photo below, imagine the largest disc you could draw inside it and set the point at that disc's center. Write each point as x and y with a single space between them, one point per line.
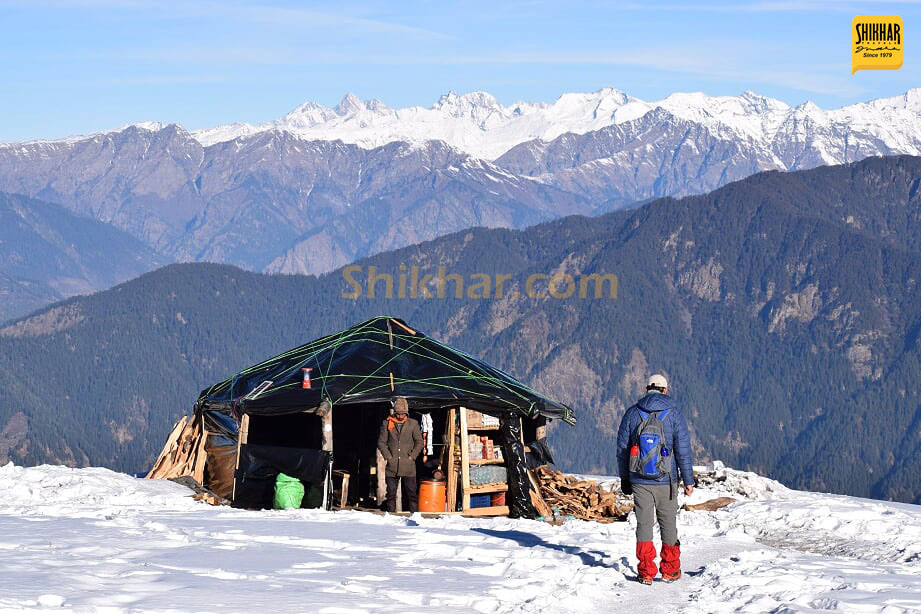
356 428
355 431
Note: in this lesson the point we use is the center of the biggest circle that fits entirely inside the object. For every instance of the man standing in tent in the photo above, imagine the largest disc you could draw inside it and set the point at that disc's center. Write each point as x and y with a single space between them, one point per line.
653 443
400 443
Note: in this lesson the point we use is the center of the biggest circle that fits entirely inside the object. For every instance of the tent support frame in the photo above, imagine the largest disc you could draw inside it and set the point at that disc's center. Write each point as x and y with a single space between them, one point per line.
326 414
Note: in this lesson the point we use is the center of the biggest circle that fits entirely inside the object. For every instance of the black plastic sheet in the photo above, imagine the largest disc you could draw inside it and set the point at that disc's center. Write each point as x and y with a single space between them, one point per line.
539 453
260 465
518 497
372 362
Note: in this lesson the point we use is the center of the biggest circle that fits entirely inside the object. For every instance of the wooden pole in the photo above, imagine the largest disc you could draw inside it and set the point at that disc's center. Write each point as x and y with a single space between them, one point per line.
381 479
406 328
241 441
327 418
451 498
465 461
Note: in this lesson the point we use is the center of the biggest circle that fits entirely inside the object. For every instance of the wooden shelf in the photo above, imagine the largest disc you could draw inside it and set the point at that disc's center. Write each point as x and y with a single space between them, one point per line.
488 488
466 489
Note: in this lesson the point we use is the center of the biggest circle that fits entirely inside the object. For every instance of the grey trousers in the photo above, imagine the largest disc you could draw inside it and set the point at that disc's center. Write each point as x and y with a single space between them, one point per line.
652 503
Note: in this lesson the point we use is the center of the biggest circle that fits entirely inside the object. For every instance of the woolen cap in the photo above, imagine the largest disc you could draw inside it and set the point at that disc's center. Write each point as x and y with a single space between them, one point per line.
400 406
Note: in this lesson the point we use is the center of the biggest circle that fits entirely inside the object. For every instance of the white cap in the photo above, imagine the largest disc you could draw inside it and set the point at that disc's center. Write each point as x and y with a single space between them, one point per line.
657 381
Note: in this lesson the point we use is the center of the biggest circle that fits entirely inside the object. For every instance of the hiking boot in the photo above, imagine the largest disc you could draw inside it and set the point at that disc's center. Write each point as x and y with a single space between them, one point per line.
671 562
644 579
671 577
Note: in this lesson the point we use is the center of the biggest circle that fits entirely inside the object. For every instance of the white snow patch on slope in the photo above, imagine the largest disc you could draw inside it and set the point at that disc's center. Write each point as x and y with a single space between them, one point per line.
91 540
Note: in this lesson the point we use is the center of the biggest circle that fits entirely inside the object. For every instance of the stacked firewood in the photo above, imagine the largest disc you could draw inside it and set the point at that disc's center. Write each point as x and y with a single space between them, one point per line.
184 452
583 499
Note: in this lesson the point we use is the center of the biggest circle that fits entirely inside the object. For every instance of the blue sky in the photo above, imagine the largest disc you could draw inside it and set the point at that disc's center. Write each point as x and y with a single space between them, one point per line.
71 67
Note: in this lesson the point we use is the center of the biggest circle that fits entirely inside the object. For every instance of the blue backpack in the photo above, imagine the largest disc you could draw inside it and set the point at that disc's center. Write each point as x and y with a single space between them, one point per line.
649 454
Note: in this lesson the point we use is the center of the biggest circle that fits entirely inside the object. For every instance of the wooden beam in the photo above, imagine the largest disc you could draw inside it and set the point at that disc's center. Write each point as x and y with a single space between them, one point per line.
496 510
242 435
201 456
465 460
404 327
327 418
448 464
381 478
537 499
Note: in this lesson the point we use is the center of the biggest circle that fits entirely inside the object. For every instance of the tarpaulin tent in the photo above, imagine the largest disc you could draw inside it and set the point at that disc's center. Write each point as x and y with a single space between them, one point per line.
353 373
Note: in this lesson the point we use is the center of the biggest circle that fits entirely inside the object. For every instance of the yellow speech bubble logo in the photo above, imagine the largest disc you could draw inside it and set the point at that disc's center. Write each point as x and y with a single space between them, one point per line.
877 42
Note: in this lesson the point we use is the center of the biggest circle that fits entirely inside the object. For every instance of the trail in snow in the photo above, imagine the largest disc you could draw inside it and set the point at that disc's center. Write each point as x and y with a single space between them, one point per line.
91 540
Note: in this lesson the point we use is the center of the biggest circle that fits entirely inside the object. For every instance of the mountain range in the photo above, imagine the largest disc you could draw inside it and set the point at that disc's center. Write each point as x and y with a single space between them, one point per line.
322 187
784 308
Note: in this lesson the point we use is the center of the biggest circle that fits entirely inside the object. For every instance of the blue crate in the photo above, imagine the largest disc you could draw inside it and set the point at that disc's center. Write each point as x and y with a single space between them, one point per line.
480 501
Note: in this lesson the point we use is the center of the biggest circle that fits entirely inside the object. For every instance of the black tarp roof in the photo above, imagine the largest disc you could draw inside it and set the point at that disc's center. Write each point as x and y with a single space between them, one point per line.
373 362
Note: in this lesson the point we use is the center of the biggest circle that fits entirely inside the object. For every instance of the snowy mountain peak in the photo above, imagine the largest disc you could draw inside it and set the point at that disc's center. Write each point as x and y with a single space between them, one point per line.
308 107
349 104
476 106
477 124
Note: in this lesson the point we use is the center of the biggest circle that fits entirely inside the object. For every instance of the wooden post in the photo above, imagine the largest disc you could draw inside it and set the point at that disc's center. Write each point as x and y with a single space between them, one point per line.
242 435
344 491
327 418
465 461
381 479
448 464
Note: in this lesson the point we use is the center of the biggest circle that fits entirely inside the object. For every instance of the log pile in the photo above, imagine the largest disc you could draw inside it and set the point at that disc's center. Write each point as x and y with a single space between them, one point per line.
583 499
184 452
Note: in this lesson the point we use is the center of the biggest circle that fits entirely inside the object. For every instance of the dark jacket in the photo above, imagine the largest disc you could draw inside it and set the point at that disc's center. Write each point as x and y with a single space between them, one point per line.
676 434
400 447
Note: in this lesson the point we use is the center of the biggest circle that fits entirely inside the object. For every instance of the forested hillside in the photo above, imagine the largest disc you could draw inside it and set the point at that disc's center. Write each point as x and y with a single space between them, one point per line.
47 253
784 308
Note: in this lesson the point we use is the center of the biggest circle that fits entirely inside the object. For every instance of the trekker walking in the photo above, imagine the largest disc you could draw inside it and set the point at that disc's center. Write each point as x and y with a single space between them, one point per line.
653 444
400 443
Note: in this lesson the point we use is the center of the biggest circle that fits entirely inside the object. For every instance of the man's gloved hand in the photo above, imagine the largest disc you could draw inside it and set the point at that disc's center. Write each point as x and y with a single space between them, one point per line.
626 487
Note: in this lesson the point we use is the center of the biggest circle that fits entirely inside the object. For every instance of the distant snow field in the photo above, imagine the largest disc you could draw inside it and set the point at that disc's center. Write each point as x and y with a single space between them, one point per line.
92 540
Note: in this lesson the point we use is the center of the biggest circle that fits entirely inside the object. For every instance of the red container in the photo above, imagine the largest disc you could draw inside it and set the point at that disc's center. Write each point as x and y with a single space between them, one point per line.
432 496
498 498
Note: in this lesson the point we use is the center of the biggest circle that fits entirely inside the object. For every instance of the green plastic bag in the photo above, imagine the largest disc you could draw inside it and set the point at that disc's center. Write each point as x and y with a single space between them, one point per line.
289 492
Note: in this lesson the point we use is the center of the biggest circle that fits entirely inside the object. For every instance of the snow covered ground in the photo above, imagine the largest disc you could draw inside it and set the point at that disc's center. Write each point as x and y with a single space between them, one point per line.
91 540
